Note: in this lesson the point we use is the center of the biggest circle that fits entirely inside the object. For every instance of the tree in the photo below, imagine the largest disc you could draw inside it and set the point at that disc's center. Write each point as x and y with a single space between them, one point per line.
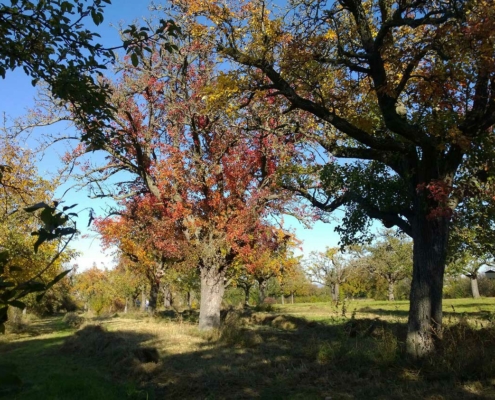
390 258
271 257
50 41
22 270
294 282
469 265
328 268
403 93
203 166
148 237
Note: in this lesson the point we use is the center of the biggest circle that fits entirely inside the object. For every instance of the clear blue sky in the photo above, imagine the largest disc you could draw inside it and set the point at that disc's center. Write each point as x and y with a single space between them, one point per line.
16 97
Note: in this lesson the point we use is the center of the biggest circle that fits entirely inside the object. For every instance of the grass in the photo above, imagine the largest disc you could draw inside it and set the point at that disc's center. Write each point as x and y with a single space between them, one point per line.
300 351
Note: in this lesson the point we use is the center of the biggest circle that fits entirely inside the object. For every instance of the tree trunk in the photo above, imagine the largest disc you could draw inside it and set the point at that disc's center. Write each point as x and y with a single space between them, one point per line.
154 290
167 297
391 296
430 237
474 286
292 298
262 288
335 289
247 289
143 299
212 290
125 307
283 299
189 299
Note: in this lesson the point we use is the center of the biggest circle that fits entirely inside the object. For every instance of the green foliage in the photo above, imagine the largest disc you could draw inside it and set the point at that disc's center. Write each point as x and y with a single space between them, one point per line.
14 290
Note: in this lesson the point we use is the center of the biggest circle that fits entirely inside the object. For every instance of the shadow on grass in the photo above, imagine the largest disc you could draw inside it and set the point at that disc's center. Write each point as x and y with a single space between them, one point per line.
362 359
91 364
258 355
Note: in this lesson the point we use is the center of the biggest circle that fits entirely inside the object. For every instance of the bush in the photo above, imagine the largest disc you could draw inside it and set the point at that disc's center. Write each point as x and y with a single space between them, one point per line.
73 320
234 333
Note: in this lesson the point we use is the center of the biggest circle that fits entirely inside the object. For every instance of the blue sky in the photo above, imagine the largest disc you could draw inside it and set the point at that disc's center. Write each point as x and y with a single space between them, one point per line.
17 96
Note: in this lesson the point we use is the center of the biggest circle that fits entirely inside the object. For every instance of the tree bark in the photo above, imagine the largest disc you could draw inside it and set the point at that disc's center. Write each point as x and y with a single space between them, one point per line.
292 298
262 288
212 291
125 307
335 289
474 286
430 237
247 289
143 299
391 295
283 299
167 297
189 299
154 290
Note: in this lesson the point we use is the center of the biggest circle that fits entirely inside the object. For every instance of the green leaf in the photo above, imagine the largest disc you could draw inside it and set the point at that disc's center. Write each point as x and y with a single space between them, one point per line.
37 206
58 278
134 59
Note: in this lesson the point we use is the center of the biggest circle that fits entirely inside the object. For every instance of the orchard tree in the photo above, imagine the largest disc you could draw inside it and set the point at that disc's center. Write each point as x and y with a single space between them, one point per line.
270 257
32 243
204 164
469 265
389 258
294 282
328 268
403 94
146 236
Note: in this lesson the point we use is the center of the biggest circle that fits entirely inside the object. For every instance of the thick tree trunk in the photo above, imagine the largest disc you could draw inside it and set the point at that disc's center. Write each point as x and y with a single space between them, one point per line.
154 290
391 296
474 286
262 286
212 290
425 315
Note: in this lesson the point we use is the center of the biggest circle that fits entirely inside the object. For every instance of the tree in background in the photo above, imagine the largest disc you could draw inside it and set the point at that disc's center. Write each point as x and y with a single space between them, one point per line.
329 268
469 265
294 282
404 91
390 258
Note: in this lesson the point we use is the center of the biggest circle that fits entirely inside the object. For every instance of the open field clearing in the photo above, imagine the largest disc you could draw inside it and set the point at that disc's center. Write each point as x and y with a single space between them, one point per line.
475 310
300 351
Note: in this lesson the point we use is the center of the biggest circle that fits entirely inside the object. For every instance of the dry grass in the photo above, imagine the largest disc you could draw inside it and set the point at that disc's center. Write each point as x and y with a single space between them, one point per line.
270 355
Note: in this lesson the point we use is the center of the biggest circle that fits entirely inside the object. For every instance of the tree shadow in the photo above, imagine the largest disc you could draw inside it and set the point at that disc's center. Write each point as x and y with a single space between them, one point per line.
267 356
361 359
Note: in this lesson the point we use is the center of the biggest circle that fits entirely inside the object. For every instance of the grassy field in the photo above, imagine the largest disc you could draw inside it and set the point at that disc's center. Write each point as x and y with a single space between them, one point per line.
352 350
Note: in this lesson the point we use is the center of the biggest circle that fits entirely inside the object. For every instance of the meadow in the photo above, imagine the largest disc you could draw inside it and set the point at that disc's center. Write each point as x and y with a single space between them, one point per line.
349 350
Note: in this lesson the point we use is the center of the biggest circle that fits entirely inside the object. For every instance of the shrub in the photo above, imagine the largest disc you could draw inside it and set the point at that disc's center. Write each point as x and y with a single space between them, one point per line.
73 320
